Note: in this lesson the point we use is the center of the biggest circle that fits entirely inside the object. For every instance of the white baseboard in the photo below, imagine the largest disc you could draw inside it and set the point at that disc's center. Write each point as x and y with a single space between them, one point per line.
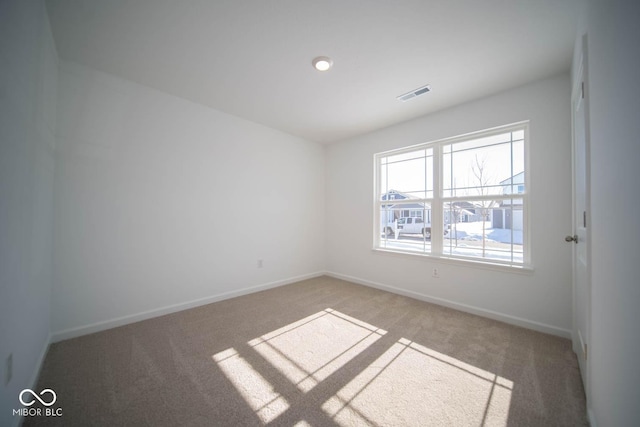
513 320
124 320
43 353
132 318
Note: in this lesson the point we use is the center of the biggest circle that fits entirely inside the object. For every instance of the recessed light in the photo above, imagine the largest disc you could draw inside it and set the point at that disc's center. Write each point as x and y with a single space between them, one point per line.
322 63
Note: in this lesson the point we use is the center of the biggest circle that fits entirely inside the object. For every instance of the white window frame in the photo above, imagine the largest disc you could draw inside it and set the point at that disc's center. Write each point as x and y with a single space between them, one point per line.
438 200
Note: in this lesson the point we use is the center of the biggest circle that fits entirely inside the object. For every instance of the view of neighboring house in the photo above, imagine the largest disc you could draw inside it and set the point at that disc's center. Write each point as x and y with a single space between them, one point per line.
460 211
513 185
392 211
463 212
509 214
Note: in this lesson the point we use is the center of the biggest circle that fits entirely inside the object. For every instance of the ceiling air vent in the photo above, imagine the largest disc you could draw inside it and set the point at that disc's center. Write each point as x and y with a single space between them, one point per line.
416 92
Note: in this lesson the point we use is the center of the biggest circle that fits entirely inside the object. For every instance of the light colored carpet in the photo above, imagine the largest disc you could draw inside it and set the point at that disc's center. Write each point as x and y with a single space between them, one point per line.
322 352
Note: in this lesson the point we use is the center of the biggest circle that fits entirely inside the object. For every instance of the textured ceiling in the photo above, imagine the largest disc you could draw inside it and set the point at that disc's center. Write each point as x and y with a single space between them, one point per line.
252 59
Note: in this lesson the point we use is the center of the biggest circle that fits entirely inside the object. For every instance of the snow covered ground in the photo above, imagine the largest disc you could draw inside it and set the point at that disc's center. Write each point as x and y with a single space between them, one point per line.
473 231
497 245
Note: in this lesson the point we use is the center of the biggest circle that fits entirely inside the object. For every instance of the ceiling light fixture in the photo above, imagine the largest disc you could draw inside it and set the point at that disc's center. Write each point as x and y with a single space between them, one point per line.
322 63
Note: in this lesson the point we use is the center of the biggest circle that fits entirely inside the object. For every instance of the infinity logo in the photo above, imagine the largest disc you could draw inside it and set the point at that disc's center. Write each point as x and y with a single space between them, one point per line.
46 390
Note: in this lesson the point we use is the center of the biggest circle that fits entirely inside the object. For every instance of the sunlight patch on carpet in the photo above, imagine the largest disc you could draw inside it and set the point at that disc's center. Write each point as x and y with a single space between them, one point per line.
410 384
255 390
311 349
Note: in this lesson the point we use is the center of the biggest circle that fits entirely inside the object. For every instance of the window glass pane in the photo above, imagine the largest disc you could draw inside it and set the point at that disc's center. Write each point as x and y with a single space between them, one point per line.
406 228
477 172
407 174
383 188
518 158
487 229
514 185
429 176
447 175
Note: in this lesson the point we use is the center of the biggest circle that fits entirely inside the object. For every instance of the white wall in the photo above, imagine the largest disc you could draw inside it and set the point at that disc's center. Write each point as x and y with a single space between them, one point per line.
542 299
160 202
28 80
613 37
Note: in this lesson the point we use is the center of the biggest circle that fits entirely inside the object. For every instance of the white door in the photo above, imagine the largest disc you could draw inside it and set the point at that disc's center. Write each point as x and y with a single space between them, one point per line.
580 241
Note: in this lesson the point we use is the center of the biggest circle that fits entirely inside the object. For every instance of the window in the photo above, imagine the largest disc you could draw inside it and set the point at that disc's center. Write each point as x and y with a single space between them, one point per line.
468 196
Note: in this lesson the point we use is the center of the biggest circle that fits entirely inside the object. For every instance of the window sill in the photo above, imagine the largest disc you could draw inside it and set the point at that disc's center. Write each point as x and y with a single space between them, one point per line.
471 263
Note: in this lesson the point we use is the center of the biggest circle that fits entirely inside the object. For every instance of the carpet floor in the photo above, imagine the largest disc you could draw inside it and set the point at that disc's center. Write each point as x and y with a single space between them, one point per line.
321 352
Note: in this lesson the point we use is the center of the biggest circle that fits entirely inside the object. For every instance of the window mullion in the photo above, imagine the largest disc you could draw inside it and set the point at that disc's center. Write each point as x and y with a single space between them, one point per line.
437 216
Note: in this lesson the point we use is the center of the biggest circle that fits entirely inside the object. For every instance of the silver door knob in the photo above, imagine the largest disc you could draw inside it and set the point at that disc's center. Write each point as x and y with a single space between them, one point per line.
573 238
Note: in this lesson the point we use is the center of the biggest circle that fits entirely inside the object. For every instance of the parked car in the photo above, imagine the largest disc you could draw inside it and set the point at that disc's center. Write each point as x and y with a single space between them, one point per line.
409 225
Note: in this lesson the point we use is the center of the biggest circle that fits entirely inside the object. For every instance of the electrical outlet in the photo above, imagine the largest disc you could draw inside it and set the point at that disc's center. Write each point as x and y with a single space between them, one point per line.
260 263
436 273
8 369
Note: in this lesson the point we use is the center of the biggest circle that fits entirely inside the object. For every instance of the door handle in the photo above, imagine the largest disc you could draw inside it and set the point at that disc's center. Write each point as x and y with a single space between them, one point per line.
573 238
